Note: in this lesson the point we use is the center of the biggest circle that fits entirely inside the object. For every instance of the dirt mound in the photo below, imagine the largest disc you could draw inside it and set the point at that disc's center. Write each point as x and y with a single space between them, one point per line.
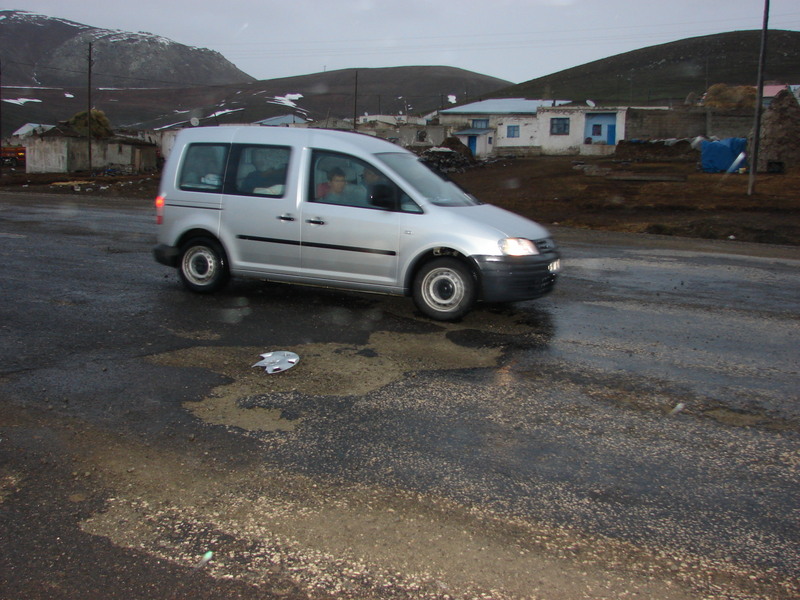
667 197
656 150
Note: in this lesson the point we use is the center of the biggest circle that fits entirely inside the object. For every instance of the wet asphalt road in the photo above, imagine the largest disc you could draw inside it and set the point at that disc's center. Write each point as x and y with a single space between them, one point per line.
647 411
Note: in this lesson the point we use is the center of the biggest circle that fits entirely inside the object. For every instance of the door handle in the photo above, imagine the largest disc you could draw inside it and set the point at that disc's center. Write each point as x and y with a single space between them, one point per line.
315 221
285 218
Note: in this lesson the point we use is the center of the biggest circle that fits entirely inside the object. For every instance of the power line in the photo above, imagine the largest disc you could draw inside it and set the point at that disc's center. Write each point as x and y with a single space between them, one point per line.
545 38
249 51
109 75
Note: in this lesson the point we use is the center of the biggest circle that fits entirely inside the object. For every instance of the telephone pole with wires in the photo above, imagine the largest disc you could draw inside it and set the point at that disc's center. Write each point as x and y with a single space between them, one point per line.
751 180
89 106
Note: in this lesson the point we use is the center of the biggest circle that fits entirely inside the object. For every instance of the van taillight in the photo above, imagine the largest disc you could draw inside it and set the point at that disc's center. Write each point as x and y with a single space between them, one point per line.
159 210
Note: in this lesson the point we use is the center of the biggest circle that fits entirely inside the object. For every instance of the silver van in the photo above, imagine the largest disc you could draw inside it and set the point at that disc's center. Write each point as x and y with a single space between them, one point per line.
342 210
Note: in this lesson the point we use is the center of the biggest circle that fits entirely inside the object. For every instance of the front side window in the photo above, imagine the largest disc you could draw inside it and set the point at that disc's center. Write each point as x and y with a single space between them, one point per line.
260 170
203 167
343 179
597 129
480 123
559 126
513 131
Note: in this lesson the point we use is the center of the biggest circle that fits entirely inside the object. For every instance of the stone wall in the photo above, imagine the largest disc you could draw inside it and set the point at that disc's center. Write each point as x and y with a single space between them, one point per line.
648 124
779 146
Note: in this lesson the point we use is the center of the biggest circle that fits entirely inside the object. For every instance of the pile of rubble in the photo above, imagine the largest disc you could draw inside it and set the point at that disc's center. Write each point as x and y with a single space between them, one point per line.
451 157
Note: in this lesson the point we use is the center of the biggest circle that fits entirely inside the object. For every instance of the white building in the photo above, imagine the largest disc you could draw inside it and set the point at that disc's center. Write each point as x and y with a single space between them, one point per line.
520 126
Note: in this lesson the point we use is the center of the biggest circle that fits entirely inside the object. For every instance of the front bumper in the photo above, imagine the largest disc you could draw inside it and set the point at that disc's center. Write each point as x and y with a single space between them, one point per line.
513 278
166 255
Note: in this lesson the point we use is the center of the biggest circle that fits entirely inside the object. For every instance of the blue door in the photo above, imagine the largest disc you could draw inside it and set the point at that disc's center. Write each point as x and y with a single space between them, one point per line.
611 135
472 142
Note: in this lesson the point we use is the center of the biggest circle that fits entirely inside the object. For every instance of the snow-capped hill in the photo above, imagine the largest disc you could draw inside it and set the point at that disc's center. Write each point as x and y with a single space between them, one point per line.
48 51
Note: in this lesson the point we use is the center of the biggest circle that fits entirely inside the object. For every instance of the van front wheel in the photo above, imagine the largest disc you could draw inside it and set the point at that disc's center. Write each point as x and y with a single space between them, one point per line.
203 266
444 289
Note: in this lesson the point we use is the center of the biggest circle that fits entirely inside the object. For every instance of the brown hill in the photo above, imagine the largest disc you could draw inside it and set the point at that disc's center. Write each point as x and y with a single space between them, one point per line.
395 90
666 74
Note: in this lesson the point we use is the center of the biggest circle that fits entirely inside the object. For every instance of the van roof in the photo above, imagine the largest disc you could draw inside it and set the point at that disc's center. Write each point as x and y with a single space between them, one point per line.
330 139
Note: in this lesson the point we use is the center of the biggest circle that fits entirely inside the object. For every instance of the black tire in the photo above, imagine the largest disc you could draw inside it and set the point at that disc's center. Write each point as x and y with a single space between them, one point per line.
444 289
203 265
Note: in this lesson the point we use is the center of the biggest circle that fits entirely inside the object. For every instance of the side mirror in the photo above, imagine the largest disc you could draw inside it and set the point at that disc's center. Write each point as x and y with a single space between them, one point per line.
382 196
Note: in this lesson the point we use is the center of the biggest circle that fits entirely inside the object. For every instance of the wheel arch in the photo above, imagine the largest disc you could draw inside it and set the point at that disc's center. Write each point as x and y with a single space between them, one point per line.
199 232
436 252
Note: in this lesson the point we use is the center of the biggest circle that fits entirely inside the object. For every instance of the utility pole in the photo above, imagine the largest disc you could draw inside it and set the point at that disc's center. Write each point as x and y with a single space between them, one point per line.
89 107
751 180
1 111
355 104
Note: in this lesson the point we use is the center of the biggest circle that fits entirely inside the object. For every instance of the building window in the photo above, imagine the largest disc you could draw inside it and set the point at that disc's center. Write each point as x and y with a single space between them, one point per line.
480 123
513 131
559 126
597 129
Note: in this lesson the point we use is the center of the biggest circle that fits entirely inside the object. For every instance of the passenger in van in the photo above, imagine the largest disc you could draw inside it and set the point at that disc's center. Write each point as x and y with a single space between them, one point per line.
376 186
265 175
339 191
371 178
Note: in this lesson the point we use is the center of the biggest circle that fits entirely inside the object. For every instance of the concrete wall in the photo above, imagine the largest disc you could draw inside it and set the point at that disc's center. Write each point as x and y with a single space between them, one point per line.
69 154
597 149
727 126
649 124
48 155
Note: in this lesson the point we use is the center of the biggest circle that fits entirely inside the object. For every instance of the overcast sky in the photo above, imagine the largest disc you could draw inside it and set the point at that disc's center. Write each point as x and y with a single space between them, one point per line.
516 40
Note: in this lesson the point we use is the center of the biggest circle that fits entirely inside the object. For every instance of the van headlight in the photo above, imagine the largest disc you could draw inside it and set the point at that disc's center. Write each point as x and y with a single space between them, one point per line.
518 247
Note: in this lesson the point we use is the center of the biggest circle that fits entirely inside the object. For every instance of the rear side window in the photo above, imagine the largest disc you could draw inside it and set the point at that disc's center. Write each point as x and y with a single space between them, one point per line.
203 167
258 170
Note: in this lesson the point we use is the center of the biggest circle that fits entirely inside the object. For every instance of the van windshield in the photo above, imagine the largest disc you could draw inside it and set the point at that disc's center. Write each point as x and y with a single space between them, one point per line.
431 185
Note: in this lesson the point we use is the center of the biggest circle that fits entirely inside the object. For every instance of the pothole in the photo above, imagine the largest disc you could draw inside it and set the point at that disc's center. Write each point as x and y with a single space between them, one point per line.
327 369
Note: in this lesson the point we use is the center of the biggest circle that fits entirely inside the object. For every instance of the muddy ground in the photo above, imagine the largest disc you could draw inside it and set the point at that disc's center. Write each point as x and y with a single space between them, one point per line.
668 197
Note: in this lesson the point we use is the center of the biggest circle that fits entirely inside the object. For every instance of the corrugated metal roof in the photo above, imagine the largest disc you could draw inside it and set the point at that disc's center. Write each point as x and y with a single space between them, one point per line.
499 106
281 120
770 91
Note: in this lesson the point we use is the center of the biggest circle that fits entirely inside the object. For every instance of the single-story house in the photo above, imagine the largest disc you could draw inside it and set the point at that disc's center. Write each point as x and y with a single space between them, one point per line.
587 130
488 125
31 129
63 150
521 126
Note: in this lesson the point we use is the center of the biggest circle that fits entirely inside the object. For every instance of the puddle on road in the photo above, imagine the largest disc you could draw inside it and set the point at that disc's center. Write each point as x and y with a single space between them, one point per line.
736 418
325 369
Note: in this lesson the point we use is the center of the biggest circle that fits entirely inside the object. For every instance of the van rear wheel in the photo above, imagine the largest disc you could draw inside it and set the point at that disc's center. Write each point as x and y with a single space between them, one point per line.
444 289
203 266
